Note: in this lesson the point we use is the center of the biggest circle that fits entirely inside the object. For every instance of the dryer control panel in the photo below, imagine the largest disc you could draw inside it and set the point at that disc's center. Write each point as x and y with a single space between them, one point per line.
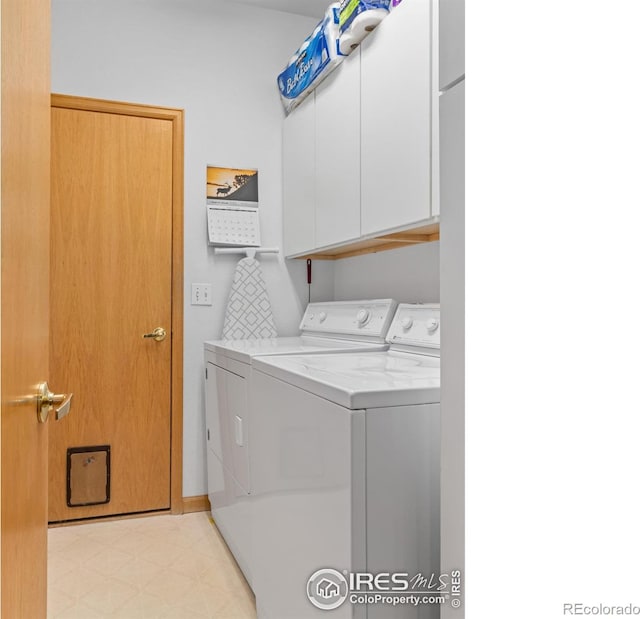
416 325
357 319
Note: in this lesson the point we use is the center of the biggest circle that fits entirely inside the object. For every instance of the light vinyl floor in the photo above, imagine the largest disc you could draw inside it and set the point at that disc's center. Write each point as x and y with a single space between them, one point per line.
153 568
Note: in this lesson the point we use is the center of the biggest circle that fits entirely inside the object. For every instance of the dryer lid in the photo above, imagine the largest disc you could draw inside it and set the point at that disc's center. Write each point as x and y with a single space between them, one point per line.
245 350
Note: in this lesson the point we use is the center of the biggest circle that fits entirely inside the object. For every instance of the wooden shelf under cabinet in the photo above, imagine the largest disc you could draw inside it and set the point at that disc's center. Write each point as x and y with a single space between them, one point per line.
422 234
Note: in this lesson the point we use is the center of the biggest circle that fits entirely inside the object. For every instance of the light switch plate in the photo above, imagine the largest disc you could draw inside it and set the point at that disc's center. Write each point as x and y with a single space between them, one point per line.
201 294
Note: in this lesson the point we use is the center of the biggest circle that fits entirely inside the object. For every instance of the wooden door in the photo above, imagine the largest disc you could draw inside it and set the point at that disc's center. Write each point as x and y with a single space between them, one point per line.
24 329
111 283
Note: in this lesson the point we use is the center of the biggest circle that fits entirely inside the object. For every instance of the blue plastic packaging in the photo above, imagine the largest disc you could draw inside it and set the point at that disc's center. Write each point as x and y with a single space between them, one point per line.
313 61
351 9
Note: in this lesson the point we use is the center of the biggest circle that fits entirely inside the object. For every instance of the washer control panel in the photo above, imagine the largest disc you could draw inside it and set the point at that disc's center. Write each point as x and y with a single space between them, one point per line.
416 325
368 319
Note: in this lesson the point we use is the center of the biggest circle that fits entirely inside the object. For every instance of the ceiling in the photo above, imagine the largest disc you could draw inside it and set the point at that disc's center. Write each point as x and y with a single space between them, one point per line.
310 8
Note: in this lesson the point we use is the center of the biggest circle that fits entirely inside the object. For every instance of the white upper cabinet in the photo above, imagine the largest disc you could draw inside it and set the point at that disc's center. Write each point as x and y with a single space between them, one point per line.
361 154
299 173
396 103
337 142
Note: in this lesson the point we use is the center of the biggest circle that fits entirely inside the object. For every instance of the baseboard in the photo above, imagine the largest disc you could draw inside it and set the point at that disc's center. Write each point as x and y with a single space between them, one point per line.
195 504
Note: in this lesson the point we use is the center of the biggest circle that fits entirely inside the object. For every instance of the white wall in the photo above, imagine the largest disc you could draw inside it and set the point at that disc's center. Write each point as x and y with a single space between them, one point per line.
408 275
218 61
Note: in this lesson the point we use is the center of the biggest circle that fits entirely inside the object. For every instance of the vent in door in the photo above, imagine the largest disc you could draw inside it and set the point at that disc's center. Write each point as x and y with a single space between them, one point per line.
88 475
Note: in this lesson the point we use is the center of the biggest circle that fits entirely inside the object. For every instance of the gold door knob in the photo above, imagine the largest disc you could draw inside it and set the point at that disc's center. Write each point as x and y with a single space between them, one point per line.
158 334
45 400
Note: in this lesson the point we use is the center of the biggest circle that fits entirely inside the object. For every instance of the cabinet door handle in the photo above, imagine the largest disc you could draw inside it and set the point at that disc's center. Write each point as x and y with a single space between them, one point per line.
239 433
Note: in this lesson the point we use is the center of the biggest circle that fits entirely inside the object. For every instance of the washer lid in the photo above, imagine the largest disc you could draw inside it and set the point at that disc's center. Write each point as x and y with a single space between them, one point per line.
360 380
245 350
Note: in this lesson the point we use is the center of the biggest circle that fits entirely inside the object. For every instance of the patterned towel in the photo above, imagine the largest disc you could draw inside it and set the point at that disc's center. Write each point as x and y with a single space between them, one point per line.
248 314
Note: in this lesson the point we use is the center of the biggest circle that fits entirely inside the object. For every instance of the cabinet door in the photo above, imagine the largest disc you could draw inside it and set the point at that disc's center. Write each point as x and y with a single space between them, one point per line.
298 161
396 119
338 154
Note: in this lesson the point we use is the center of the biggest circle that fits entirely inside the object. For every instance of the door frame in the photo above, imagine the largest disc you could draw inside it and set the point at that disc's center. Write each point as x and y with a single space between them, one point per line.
176 116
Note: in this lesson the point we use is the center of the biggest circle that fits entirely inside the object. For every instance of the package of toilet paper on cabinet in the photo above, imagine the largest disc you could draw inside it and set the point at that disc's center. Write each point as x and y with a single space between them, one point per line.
357 18
314 60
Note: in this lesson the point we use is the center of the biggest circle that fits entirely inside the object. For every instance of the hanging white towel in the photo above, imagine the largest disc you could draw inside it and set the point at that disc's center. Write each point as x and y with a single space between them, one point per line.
248 314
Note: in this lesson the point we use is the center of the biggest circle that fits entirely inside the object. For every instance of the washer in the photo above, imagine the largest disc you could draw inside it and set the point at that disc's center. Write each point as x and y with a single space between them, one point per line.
345 458
330 327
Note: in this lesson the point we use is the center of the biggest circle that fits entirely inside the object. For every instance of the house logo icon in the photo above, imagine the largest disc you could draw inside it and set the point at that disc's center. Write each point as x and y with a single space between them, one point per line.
327 589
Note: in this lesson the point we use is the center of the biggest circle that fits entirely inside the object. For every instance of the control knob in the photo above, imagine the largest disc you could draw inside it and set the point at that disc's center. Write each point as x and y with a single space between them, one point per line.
322 316
406 323
363 316
432 324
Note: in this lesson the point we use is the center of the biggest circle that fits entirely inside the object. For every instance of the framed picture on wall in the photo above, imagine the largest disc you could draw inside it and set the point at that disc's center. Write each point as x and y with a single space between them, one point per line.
232 207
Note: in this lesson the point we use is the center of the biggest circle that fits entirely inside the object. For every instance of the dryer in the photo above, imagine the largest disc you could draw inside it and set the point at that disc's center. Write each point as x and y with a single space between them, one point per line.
345 458
329 327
